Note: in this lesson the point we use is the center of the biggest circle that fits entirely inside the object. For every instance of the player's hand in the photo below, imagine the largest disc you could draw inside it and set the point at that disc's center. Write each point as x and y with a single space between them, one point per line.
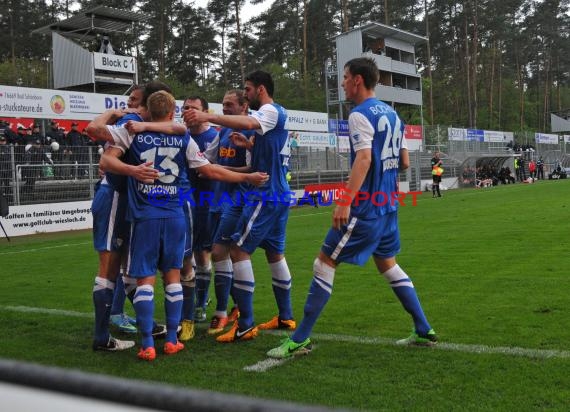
257 178
193 116
145 173
100 172
340 216
135 127
240 140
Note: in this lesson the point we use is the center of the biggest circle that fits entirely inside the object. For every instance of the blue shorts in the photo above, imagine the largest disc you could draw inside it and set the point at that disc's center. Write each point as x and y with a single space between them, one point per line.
156 244
224 224
110 227
188 218
262 224
356 242
202 231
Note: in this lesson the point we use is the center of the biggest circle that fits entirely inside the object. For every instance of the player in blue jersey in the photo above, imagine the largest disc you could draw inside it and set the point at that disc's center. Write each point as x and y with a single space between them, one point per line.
119 318
110 226
158 228
226 208
363 226
203 134
266 209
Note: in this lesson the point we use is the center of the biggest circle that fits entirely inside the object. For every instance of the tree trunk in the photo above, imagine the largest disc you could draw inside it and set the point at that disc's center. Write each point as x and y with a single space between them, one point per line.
305 50
344 12
386 18
492 84
430 77
474 65
467 70
161 63
240 47
500 97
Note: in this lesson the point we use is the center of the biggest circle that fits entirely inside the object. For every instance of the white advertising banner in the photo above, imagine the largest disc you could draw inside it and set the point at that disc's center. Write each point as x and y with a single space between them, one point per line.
546 138
454 133
52 217
493 136
307 121
63 104
509 136
315 139
114 63
567 138
343 144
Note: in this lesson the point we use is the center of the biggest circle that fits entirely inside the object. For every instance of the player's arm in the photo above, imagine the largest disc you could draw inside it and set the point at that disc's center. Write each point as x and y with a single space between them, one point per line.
169 127
217 172
361 136
97 128
196 160
404 159
241 140
358 173
236 122
110 161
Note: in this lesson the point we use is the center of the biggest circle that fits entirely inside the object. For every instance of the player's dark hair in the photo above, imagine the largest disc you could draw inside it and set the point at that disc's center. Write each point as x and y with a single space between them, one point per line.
261 78
153 87
366 68
203 101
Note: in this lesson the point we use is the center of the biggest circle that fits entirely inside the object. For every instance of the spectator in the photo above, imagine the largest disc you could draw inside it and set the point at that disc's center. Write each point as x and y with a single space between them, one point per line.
75 150
436 172
532 169
5 168
540 168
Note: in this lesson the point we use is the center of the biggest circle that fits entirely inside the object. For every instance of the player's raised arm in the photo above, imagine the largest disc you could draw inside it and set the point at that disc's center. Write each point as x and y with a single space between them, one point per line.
169 127
97 128
237 122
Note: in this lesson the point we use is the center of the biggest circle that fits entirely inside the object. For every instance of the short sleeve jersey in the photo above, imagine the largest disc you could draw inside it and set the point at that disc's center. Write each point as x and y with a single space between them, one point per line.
223 152
172 155
375 125
271 149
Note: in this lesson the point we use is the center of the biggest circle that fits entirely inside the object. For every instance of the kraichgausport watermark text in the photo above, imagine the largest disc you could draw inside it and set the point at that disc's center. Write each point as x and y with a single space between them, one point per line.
160 196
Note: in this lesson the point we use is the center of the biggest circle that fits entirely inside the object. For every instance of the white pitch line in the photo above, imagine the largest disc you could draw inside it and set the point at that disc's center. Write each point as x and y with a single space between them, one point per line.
43 248
267 364
312 214
46 311
456 347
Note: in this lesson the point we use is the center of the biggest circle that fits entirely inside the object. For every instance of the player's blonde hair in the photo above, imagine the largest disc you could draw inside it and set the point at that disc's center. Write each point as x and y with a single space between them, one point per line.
160 105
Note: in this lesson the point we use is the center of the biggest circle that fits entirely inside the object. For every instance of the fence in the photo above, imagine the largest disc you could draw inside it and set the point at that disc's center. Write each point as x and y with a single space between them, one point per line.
70 174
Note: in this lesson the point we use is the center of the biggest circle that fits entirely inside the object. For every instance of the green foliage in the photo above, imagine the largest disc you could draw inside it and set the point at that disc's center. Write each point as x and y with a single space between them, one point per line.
508 62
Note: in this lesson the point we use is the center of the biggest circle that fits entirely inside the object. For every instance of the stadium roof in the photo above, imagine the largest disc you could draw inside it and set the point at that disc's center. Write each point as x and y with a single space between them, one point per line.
86 24
378 30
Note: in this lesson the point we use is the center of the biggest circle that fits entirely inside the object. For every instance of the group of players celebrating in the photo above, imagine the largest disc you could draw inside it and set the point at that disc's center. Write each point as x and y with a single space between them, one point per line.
144 219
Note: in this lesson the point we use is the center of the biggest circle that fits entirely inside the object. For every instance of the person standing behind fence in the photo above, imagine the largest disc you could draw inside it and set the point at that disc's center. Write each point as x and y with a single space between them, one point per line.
532 169
361 229
540 168
436 172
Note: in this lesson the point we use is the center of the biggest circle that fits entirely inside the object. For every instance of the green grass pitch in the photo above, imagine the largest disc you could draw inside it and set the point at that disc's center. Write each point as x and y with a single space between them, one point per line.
490 266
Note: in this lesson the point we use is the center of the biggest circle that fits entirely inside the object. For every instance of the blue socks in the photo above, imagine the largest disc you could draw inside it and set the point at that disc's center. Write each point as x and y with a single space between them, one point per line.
404 289
102 300
144 307
243 287
319 294
281 283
